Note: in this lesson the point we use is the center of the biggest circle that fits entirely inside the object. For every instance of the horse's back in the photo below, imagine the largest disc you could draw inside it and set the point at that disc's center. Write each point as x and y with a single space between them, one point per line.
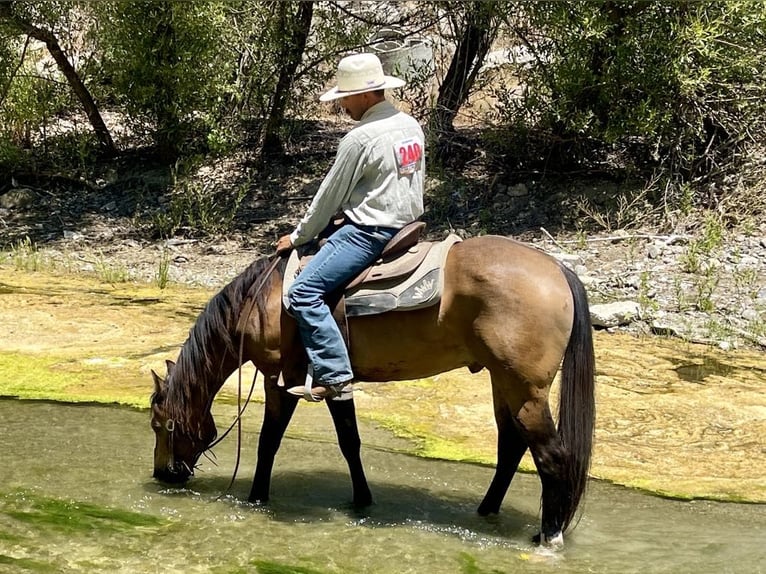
503 303
502 271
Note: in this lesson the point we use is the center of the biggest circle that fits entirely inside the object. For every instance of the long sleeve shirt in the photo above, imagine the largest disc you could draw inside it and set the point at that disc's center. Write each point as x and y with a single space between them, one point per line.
376 178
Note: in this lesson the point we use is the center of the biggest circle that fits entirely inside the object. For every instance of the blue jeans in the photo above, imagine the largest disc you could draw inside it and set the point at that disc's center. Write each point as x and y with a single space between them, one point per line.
347 252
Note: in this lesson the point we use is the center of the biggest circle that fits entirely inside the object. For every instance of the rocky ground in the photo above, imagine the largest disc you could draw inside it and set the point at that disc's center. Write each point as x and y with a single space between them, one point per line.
702 281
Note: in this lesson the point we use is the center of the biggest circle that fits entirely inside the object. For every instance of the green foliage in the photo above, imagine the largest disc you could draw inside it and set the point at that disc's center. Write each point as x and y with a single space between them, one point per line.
31 93
197 207
675 84
111 273
163 269
26 256
166 62
31 86
668 91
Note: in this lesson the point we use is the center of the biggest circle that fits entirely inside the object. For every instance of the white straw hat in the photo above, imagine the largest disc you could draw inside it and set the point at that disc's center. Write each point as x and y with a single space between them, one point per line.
360 73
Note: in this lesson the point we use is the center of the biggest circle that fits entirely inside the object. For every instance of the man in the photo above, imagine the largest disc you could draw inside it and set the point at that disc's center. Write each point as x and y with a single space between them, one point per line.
377 182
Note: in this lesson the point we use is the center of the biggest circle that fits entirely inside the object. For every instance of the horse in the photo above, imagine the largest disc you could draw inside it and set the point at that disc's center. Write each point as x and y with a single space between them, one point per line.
505 306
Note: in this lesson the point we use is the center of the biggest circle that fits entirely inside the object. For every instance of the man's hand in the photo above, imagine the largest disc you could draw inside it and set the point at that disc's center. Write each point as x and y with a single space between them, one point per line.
284 244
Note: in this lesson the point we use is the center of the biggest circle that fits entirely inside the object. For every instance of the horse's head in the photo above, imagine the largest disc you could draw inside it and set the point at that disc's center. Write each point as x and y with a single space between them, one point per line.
178 443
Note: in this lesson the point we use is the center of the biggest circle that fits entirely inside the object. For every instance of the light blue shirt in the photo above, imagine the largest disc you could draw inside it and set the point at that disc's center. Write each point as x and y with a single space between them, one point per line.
377 176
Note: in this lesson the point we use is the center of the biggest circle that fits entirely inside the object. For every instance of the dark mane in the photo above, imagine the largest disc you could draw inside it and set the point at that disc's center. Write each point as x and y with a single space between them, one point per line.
213 336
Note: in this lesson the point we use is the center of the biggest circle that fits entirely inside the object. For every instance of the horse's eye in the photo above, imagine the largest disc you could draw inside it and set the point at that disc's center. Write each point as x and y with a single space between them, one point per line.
156 425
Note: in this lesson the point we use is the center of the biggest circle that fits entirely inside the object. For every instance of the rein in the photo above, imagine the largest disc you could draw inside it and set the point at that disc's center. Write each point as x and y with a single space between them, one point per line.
250 298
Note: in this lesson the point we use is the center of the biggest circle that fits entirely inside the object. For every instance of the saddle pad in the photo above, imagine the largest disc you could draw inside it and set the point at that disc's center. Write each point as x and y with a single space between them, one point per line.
420 289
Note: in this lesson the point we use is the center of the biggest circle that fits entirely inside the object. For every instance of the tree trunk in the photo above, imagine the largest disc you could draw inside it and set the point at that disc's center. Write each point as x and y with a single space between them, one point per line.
66 68
478 32
290 54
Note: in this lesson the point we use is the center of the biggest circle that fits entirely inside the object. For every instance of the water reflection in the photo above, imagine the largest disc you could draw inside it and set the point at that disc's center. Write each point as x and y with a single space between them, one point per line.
698 372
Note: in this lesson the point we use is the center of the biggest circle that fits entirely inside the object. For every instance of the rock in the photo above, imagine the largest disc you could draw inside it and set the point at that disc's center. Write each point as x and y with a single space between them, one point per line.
20 198
614 314
747 261
666 326
518 190
588 280
633 281
567 257
750 314
655 250
72 235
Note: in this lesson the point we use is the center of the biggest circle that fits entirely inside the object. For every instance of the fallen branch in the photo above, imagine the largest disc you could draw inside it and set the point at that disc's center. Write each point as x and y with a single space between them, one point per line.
669 239
545 231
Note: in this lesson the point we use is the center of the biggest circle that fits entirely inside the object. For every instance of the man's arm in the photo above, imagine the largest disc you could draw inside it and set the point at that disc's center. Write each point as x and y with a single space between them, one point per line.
333 191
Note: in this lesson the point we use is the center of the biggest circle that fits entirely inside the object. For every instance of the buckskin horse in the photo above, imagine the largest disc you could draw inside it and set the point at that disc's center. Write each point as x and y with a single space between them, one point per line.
505 306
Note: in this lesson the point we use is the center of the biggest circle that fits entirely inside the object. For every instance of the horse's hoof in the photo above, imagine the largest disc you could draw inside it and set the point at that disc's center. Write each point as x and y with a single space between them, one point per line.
554 542
486 510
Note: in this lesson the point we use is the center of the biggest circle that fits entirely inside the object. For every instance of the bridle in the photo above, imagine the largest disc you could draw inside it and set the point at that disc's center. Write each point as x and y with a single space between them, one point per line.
170 425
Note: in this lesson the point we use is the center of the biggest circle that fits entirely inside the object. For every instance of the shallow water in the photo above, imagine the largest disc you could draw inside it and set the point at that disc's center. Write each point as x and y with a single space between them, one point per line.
76 495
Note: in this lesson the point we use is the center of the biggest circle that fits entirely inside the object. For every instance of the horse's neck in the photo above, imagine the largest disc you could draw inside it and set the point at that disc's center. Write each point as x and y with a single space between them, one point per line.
208 376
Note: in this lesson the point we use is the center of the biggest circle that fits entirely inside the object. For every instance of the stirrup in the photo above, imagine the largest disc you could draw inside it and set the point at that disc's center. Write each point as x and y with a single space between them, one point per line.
316 394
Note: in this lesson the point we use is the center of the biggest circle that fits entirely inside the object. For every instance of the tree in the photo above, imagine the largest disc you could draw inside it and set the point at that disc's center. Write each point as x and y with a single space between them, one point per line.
295 23
10 14
167 64
475 26
679 84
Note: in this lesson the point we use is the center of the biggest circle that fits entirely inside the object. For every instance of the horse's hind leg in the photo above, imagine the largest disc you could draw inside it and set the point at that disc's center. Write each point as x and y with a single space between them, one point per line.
279 409
537 426
343 415
511 446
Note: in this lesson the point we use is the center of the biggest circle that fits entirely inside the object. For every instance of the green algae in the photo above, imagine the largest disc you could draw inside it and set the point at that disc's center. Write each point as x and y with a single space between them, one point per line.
268 567
72 516
32 376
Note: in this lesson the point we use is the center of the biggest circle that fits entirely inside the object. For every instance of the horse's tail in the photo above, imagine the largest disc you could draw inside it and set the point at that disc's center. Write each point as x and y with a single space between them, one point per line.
577 405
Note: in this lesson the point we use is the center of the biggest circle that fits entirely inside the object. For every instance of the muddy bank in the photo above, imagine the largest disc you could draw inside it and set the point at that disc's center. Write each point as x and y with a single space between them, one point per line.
675 418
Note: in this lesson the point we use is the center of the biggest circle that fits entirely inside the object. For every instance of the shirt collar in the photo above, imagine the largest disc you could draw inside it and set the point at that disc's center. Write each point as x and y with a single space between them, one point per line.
381 108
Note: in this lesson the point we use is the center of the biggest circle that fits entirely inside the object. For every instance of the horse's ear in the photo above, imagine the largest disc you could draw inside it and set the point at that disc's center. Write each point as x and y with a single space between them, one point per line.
169 364
159 383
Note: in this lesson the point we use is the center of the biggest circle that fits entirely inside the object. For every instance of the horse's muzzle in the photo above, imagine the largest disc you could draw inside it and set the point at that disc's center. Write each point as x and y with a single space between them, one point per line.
176 475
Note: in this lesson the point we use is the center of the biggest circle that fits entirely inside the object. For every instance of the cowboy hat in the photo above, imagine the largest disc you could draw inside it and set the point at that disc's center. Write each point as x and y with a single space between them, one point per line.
360 73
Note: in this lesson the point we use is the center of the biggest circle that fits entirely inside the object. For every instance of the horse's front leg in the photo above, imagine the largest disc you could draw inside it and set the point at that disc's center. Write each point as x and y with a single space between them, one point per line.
279 409
343 414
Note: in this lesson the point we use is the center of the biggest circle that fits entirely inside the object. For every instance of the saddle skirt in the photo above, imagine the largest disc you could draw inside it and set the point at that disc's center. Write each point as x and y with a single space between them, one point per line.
410 280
